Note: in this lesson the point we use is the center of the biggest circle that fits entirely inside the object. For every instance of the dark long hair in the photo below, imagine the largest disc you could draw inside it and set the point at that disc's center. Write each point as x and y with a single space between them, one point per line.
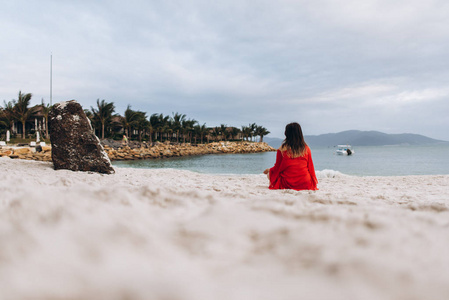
294 142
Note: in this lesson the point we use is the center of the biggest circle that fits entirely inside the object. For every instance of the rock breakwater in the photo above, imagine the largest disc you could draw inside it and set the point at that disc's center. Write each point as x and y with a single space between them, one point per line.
28 153
117 151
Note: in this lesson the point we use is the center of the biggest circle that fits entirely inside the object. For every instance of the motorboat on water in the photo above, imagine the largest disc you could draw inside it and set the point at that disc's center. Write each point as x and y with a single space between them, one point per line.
344 150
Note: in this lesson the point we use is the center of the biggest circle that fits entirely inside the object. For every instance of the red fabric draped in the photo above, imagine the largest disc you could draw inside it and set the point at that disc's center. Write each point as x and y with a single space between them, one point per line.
293 173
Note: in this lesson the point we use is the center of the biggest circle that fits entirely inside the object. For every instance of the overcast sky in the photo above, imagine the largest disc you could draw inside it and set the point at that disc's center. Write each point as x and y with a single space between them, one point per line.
331 65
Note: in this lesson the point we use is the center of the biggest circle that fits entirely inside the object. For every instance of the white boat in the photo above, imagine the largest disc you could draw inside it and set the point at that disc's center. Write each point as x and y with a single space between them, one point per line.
344 150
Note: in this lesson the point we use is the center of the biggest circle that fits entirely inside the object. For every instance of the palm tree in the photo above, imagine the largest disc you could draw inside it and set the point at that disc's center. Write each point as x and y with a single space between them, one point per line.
7 114
243 130
199 131
21 111
196 132
234 132
247 132
141 123
45 111
202 131
261 131
223 129
150 130
129 120
3 121
103 114
154 119
187 127
168 131
215 132
165 125
161 124
252 130
177 121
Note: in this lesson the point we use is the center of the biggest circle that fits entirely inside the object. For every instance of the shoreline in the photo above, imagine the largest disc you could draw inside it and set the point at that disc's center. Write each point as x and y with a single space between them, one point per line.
118 151
173 234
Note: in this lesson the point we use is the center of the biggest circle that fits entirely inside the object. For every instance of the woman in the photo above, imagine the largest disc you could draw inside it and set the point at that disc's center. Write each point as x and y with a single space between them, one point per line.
294 167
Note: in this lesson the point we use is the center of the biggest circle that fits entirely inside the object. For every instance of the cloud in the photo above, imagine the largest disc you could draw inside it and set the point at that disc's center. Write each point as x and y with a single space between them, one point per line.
333 65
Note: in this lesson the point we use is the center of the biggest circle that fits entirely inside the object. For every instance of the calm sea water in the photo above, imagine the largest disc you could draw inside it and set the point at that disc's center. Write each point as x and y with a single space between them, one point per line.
367 161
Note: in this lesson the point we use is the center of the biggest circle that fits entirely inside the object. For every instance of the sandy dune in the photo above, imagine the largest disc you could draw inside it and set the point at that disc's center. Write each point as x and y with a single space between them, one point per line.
170 234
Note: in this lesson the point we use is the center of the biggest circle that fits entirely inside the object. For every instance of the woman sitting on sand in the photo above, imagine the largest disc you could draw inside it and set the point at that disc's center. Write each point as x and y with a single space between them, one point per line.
294 167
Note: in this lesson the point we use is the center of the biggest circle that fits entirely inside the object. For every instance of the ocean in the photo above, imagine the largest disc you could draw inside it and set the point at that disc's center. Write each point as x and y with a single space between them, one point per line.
367 161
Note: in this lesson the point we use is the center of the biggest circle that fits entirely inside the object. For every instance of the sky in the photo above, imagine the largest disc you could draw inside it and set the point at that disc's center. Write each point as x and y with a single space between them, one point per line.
330 65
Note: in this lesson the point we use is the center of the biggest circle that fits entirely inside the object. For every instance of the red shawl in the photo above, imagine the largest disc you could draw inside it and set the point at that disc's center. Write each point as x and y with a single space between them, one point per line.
293 173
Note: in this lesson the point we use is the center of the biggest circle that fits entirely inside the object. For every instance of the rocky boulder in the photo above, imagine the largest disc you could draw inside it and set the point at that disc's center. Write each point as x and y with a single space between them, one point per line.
74 144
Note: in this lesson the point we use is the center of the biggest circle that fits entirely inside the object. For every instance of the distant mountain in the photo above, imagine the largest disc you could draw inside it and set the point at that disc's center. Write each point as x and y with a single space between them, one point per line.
273 142
361 138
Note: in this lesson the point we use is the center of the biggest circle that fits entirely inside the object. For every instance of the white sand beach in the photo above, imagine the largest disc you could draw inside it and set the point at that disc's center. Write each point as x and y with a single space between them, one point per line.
170 234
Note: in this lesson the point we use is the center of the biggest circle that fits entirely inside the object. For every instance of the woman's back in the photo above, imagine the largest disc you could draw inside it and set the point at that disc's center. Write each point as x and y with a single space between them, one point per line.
291 172
294 167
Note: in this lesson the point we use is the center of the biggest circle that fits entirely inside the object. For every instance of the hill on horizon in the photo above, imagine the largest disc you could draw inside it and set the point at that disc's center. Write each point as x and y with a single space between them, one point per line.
362 138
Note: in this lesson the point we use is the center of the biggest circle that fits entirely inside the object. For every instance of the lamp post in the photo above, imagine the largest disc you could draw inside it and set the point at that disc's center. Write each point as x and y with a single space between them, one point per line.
51 75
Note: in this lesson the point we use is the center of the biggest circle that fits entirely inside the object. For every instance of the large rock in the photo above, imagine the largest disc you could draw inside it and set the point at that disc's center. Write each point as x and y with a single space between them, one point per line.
74 144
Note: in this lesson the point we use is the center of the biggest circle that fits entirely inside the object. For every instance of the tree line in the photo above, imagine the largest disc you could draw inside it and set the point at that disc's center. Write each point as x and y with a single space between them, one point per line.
135 124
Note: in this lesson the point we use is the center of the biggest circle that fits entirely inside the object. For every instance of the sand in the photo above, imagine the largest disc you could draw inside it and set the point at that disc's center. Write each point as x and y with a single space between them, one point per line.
171 234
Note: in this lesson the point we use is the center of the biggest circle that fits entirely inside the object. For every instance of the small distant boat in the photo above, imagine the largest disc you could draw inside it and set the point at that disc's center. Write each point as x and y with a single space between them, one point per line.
344 150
